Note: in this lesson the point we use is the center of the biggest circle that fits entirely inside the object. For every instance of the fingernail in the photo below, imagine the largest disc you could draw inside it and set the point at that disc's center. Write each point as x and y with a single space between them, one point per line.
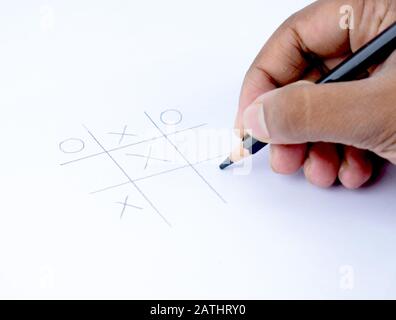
254 120
344 166
273 155
307 168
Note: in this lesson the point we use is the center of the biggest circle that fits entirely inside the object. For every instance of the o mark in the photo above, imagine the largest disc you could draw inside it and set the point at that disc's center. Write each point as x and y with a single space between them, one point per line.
72 145
171 117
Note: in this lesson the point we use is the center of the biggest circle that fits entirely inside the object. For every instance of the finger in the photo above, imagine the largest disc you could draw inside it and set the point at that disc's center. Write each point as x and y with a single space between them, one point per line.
322 165
356 168
287 159
336 112
285 57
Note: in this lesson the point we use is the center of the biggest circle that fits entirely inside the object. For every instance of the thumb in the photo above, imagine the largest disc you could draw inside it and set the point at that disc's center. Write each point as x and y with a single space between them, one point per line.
347 113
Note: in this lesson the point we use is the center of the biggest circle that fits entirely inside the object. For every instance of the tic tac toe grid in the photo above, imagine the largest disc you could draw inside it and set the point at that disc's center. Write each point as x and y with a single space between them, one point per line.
79 145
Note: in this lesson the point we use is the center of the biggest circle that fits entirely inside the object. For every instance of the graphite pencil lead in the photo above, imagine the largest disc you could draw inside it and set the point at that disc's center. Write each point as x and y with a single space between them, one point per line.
227 162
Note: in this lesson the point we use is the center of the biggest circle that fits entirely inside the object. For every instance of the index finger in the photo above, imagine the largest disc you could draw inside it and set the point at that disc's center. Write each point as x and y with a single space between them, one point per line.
313 31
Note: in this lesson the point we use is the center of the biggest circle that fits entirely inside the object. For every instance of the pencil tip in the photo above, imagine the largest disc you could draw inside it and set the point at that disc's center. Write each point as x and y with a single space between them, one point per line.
227 162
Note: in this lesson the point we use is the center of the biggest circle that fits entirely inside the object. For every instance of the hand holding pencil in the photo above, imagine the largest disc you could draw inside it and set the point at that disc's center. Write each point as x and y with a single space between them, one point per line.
331 130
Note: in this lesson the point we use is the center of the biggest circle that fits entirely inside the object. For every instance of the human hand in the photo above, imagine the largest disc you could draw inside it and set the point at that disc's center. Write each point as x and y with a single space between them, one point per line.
359 115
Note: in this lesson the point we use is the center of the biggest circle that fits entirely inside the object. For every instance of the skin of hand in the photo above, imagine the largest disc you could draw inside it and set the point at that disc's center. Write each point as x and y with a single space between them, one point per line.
330 130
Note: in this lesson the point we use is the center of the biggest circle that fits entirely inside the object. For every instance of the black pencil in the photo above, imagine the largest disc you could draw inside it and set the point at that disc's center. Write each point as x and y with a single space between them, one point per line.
374 52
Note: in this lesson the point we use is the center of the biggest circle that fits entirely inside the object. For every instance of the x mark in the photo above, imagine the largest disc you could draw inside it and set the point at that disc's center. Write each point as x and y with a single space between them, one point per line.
148 157
125 204
123 134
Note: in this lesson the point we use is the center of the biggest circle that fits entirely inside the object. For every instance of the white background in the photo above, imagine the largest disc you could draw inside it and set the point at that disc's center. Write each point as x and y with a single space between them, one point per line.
102 64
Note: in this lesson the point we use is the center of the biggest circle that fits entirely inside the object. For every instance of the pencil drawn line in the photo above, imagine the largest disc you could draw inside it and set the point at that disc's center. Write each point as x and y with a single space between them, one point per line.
128 177
171 123
153 175
110 187
124 206
123 134
132 144
143 156
184 157
81 148
148 158
130 205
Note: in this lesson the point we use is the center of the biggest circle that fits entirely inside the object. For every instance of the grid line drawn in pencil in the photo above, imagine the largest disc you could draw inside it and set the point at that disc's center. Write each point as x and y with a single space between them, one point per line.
128 177
155 174
175 119
185 159
93 155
